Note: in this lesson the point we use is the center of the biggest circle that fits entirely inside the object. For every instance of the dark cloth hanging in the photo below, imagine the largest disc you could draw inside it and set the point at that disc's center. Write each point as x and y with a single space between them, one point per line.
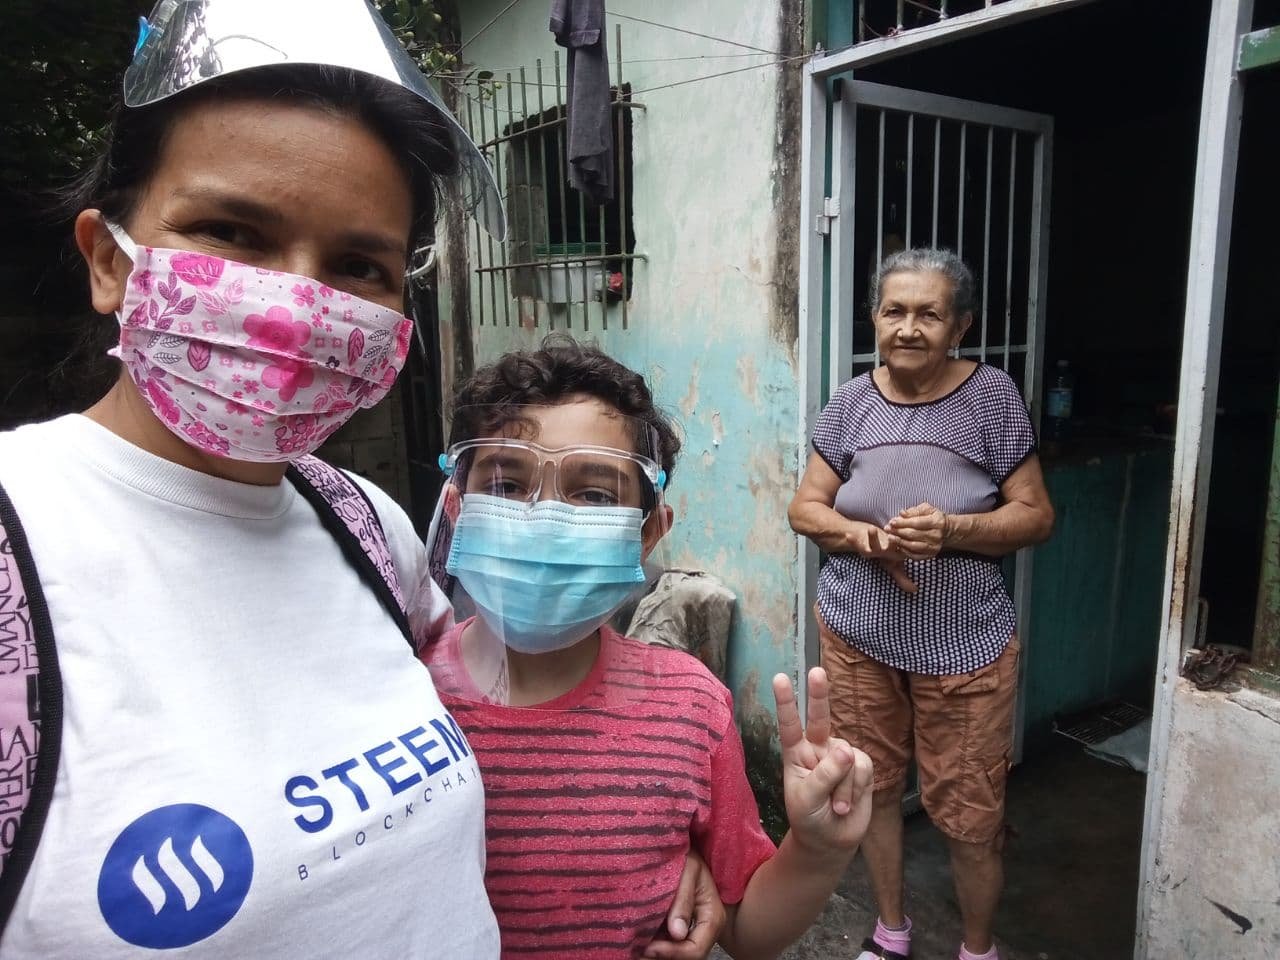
579 26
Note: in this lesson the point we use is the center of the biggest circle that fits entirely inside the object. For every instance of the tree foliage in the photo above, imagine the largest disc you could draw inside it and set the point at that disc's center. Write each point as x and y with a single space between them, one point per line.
61 64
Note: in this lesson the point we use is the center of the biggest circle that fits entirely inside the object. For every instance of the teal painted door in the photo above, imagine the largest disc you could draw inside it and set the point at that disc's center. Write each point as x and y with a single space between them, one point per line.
1095 605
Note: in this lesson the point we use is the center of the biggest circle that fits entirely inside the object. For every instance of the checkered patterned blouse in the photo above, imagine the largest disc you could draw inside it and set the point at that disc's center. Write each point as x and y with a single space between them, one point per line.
953 452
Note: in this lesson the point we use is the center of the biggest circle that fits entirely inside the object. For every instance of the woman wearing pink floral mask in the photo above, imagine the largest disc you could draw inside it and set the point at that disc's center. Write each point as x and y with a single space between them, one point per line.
247 758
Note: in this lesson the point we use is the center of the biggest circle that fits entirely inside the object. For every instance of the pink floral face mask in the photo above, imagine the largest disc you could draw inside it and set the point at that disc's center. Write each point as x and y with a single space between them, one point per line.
247 363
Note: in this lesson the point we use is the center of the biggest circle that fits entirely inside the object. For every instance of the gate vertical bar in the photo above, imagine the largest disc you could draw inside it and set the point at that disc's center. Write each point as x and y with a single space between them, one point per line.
1038 270
602 268
479 293
564 186
1041 187
620 149
488 238
964 130
986 244
1008 259
813 158
937 169
911 153
843 293
621 119
501 164
879 216
546 177
527 256
585 266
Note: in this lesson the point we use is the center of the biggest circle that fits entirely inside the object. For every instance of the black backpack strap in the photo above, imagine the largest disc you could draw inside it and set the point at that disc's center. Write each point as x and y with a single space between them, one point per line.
30 707
349 516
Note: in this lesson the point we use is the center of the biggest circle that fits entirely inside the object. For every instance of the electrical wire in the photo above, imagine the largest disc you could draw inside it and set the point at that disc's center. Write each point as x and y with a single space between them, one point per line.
477 34
514 68
723 73
461 86
693 33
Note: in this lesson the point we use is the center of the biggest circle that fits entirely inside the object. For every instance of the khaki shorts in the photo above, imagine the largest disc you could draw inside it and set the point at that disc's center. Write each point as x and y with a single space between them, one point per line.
959 728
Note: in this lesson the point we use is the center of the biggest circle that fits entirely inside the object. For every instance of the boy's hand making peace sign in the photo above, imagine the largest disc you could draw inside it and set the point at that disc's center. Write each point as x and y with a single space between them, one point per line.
826 782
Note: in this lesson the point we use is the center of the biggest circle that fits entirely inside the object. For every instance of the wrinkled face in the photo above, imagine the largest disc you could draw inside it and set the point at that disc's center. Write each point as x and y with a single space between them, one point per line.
283 186
916 324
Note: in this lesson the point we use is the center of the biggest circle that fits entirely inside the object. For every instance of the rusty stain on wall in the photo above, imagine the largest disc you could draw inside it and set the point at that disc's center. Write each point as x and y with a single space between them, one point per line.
785 320
689 402
771 482
760 747
749 379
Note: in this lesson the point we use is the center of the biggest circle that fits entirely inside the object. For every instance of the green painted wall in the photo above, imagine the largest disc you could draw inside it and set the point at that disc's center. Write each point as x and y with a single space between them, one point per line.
837 31
710 322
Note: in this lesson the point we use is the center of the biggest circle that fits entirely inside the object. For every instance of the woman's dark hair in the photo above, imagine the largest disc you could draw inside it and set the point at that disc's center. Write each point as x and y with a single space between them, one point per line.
561 368
134 142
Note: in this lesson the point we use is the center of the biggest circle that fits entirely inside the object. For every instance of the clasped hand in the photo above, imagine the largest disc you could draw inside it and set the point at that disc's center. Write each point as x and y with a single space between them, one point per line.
916 533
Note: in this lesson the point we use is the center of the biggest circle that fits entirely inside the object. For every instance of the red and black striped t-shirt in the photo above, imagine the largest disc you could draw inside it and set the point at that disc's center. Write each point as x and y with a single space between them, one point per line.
593 799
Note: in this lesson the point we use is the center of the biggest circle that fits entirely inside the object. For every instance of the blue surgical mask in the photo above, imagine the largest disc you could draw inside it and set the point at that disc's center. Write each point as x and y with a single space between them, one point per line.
544 576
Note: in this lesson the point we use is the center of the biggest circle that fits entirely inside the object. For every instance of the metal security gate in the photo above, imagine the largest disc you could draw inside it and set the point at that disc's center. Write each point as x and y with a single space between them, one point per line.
916 169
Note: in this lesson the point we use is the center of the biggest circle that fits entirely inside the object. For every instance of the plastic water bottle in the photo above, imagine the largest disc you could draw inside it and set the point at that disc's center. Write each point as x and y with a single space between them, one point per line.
1057 408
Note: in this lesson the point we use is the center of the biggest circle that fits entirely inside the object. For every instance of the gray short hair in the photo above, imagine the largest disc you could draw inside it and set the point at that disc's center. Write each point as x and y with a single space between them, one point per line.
929 260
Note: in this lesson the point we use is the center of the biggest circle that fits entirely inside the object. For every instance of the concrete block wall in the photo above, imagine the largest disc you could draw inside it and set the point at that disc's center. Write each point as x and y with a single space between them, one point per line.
373 445
1216 889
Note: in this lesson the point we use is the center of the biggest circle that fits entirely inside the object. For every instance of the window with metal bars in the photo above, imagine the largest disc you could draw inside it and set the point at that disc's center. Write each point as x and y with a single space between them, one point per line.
563 248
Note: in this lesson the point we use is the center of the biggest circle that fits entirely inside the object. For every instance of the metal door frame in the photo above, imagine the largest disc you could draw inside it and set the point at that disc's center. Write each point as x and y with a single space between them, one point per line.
827 309
1221 110
1219 132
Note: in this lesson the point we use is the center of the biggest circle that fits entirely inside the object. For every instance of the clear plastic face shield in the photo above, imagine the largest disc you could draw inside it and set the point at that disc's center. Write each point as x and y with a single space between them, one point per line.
187 42
551 525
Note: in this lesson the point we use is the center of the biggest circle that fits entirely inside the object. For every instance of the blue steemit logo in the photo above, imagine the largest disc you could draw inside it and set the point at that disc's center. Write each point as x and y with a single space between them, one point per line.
175 876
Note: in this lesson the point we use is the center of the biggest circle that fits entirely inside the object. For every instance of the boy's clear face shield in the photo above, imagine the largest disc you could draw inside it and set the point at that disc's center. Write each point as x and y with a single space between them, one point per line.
582 475
187 42
538 541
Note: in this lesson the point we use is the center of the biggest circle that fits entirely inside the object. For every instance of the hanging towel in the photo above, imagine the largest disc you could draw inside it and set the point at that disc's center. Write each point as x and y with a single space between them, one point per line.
579 26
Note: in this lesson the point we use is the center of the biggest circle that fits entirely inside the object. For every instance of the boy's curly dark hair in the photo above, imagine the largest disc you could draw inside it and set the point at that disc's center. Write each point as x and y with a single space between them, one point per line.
560 368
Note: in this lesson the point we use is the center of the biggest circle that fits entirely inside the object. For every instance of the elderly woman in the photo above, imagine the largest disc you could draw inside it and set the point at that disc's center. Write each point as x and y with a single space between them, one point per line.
239 753
924 474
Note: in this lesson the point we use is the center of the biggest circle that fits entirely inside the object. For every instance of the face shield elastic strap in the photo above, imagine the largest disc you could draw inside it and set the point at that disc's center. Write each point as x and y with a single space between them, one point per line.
123 240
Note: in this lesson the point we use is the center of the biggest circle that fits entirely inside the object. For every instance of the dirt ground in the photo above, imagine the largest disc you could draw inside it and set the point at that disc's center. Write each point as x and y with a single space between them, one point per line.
1071 872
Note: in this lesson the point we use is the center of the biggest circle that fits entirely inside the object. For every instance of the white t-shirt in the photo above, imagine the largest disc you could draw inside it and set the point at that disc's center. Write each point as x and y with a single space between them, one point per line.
254 763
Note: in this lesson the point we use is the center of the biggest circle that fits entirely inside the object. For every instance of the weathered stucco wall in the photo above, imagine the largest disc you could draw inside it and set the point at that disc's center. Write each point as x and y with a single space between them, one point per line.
712 316
1216 890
